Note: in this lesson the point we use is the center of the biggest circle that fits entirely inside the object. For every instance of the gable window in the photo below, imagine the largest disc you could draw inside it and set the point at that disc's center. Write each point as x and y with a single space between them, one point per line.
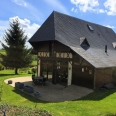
114 45
84 43
90 27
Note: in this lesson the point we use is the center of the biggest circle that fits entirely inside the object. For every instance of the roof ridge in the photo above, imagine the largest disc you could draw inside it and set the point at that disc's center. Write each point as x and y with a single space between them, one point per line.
55 12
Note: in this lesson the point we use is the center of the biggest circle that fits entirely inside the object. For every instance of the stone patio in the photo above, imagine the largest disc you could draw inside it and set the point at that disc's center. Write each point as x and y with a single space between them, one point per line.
53 93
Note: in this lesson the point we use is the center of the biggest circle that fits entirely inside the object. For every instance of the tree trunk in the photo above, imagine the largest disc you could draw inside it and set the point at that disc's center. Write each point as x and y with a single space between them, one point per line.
16 70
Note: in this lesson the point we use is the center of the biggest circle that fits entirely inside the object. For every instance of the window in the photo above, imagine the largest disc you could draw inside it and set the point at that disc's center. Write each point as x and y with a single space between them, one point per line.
84 43
90 27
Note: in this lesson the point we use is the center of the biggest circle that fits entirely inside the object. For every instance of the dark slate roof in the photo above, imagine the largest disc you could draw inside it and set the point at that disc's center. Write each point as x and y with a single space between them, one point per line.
69 31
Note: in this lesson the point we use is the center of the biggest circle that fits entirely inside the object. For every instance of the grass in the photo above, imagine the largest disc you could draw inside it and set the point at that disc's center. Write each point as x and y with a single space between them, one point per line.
98 103
34 63
2 51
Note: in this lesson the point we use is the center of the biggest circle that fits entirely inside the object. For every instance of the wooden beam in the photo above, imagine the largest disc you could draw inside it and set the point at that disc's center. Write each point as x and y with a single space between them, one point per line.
55 59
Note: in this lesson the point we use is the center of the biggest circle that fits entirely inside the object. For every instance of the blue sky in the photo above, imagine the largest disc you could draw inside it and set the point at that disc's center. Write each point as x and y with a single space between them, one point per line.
32 13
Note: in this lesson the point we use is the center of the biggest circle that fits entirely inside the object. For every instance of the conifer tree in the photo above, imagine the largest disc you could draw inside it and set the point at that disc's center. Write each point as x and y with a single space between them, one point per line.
17 54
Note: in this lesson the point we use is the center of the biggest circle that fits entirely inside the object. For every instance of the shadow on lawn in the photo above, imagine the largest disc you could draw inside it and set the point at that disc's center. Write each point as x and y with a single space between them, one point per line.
2 75
95 96
98 94
27 96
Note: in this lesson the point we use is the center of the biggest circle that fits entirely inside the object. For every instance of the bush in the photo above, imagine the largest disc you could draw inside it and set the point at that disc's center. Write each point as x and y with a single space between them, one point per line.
23 70
21 111
34 70
29 72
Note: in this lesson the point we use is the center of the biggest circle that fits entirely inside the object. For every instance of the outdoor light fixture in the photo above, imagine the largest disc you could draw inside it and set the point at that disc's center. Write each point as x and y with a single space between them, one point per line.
82 69
90 71
69 68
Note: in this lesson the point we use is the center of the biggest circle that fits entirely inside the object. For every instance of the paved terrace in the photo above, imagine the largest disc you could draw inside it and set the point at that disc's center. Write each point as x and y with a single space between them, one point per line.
54 93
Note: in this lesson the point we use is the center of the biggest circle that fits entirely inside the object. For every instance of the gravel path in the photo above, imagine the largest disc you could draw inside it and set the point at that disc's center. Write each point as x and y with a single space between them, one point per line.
54 93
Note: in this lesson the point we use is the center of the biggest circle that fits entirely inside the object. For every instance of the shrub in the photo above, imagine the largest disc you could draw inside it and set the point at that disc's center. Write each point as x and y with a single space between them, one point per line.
21 111
24 70
34 70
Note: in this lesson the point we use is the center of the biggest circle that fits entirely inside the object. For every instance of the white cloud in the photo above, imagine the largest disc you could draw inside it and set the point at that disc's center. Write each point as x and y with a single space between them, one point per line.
109 26
101 11
31 9
3 27
20 2
86 5
57 4
28 28
72 9
110 5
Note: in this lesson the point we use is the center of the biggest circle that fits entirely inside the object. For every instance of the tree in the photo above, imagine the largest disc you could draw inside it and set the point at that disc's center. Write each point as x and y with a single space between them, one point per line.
17 54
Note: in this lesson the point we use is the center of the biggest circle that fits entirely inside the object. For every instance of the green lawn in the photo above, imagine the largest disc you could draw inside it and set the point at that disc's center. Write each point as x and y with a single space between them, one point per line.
2 51
98 103
34 63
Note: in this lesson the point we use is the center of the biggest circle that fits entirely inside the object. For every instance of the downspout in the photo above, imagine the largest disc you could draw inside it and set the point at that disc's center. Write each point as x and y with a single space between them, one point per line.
94 82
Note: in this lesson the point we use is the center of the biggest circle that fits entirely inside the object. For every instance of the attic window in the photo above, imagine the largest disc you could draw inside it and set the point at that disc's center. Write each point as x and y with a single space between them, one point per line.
114 45
90 27
84 43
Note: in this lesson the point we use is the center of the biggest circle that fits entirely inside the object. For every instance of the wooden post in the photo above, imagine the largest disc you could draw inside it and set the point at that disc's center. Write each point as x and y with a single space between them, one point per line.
54 76
94 82
69 73
47 71
41 71
38 67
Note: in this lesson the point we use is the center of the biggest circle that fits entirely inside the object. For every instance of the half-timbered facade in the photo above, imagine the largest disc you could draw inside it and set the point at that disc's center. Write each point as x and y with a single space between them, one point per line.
81 52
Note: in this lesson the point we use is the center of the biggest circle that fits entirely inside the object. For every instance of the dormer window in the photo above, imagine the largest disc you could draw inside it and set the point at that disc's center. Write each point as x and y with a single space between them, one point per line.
90 27
84 43
114 45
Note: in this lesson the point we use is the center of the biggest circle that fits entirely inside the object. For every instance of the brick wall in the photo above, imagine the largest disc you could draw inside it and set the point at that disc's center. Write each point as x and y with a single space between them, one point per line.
102 76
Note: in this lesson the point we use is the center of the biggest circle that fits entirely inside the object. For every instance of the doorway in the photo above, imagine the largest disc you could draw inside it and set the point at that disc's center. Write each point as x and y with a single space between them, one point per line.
55 71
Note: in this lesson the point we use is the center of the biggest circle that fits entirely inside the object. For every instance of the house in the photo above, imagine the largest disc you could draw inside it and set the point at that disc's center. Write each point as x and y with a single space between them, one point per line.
81 51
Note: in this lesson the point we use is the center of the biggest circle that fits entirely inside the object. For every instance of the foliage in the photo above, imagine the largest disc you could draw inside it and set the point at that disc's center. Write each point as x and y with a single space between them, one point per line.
17 55
23 70
21 111
34 70
34 62
34 57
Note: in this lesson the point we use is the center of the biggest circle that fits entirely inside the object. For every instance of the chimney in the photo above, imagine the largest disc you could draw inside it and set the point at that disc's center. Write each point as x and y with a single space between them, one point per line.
106 48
